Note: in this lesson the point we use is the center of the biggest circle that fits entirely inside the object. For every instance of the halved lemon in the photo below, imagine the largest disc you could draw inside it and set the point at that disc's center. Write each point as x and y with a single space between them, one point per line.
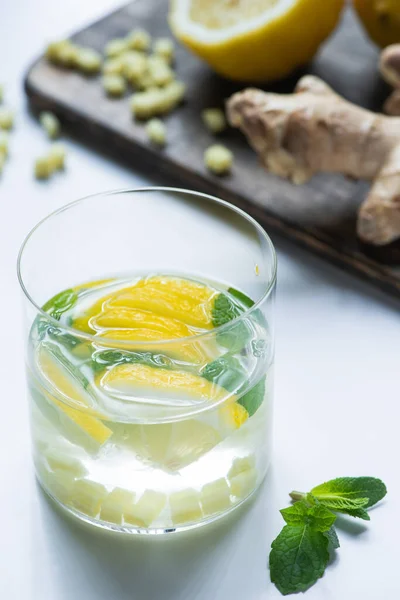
248 40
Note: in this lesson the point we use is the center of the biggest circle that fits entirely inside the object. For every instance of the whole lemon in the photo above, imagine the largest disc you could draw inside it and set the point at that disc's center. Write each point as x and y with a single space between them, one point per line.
254 41
381 19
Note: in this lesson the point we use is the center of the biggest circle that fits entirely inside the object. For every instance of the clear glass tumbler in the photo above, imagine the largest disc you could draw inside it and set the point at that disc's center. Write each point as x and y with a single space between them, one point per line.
149 357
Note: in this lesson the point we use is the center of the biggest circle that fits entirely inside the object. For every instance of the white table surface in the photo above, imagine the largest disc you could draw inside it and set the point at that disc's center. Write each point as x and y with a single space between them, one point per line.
337 402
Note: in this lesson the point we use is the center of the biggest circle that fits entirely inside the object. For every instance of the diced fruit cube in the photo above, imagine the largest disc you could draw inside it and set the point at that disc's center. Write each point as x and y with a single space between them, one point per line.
59 484
164 47
156 132
215 497
59 460
175 445
56 157
146 510
185 506
4 142
87 497
42 168
138 39
218 159
50 124
6 118
244 483
116 504
114 85
243 476
240 465
88 60
214 119
116 47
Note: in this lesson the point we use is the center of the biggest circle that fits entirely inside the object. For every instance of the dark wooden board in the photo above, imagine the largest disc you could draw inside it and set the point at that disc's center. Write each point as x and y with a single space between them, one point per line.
320 215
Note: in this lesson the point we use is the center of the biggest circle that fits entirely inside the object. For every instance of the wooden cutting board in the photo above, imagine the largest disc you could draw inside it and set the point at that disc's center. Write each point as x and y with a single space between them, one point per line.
320 215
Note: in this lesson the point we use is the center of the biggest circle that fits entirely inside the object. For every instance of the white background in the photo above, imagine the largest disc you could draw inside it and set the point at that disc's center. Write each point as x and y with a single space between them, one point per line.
337 402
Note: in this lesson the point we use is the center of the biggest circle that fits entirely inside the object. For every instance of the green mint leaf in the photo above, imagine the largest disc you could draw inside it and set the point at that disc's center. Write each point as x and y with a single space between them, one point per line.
295 515
349 491
321 518
332 538
342 504
359 513
235 338
60 303
243 299
224 310
253 399
318 517
226 371
108 358
298 558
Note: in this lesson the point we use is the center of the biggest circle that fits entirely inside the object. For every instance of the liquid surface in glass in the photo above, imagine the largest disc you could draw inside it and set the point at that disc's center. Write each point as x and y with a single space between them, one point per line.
158 421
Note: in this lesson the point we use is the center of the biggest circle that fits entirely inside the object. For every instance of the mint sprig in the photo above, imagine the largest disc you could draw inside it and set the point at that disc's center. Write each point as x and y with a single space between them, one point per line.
300 553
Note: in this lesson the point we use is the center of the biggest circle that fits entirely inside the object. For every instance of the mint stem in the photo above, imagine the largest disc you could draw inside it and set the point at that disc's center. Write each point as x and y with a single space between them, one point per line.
297 495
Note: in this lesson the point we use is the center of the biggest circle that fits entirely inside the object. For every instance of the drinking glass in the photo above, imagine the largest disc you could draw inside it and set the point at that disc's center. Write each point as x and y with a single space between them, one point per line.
186 438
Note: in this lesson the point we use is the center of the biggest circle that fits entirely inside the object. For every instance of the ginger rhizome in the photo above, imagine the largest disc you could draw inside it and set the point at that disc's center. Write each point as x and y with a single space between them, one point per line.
316 130
390 70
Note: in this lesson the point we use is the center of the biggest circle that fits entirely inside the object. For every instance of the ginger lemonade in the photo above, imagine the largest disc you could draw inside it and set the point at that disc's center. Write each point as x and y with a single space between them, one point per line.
149 355
157 423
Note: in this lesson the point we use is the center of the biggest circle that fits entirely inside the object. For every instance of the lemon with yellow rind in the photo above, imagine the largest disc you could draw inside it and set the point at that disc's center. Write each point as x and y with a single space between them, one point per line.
232 416
381 19
254 41
143 380
132 339
59 379
185 301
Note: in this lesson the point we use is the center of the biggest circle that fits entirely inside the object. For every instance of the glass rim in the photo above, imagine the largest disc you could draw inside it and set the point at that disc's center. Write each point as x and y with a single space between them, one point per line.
153 343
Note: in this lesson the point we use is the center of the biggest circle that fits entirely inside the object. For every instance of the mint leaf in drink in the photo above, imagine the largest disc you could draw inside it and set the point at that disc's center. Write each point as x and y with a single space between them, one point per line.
350 493
332 538
253 399
60 303
298 558
226 371
224 310
243 299
108 358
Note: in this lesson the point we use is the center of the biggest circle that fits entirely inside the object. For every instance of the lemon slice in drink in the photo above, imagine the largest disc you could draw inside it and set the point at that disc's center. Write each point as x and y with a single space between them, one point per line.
254 41
185 302
166 384
191 351
92 430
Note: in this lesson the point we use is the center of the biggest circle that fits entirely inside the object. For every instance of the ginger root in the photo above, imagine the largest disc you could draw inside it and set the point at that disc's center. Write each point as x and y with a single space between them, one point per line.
314 130
389 66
